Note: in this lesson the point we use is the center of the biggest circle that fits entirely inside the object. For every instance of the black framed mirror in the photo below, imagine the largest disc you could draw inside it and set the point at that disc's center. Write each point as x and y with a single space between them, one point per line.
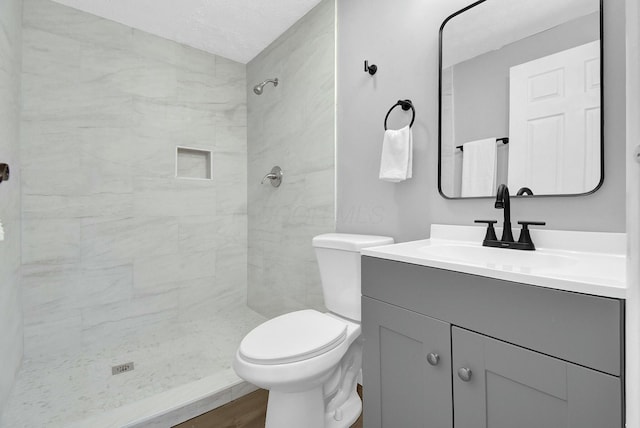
521 99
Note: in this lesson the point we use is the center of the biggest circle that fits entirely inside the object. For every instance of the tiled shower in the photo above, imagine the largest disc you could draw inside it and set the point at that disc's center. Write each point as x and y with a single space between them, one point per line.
146 234
107 225
292 126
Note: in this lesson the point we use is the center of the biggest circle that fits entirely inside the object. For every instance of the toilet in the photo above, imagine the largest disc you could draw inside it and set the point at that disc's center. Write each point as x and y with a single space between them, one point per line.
308 360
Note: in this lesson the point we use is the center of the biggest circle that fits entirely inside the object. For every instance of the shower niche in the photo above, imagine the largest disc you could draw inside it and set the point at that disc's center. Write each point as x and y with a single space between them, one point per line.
193 163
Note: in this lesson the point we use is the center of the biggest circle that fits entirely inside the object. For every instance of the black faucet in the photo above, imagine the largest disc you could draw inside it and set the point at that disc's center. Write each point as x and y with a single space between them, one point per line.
503 201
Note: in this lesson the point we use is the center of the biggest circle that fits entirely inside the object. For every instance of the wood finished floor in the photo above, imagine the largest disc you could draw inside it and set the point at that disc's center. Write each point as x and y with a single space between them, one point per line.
246 412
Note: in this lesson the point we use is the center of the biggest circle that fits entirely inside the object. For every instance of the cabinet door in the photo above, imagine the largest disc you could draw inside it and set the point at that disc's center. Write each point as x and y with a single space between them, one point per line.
402 388
512 387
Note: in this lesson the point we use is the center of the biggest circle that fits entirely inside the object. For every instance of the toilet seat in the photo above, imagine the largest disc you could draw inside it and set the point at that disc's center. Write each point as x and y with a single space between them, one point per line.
293 337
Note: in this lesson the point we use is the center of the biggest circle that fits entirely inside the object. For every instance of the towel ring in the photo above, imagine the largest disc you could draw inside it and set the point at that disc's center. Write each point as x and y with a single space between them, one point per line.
406 105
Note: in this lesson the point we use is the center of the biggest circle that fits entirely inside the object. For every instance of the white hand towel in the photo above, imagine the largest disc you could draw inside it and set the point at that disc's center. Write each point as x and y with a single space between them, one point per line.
396 164
479 162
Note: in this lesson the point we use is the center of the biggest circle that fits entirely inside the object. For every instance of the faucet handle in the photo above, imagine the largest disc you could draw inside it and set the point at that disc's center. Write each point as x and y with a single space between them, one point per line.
525 236
491 232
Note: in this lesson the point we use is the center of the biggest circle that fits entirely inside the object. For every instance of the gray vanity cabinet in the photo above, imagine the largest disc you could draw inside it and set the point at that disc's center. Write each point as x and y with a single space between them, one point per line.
531 357
504 386
408 373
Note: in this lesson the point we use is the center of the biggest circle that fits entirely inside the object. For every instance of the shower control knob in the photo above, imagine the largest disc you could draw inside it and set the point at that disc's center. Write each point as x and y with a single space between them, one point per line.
433 358
275 176
464 374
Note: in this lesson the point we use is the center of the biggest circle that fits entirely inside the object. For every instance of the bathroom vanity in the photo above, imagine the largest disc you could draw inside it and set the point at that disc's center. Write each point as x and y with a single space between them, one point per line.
466 338
460 335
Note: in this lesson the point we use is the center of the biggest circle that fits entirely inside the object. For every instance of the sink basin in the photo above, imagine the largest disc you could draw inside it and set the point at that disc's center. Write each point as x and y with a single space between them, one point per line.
582 262
498 257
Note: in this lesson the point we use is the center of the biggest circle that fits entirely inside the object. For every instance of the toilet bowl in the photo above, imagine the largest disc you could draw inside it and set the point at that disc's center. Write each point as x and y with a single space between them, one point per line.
308 360
302 379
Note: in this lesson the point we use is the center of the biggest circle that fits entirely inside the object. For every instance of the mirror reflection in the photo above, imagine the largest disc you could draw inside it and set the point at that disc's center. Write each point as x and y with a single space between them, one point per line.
520 98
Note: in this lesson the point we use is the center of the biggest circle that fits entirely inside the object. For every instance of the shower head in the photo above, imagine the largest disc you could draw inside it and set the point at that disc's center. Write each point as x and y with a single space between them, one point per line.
259 88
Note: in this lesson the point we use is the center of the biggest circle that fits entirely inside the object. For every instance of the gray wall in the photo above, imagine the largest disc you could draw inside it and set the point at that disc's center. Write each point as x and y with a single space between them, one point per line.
114 246
292 126
403 41
10 293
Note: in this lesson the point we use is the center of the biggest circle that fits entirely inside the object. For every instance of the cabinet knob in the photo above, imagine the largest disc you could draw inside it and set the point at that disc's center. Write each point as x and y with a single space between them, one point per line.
464 374
433 358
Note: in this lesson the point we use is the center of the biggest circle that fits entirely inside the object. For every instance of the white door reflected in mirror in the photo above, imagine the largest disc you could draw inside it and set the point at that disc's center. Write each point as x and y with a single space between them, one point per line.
554 122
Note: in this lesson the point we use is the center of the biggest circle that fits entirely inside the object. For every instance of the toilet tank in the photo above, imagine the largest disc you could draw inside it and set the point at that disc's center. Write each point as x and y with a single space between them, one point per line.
338 257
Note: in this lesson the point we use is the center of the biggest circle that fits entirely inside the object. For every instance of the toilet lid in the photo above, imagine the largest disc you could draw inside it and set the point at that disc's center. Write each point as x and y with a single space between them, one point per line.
292 337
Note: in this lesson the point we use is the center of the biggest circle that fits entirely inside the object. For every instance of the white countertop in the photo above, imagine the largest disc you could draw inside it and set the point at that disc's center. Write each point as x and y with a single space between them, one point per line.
583 262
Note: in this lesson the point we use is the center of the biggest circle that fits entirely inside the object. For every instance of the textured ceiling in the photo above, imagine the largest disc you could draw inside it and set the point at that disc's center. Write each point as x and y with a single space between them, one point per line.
496 23
235 29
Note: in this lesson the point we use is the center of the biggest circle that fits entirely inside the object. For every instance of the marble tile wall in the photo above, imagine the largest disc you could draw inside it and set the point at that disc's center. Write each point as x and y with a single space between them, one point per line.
11 343
113 243
292 126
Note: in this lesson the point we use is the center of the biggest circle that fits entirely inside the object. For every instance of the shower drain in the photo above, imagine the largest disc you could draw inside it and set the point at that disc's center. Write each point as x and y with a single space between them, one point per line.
122 368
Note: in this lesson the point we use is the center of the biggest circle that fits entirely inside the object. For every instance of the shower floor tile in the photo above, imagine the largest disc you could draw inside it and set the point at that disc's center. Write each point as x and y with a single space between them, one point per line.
66 389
